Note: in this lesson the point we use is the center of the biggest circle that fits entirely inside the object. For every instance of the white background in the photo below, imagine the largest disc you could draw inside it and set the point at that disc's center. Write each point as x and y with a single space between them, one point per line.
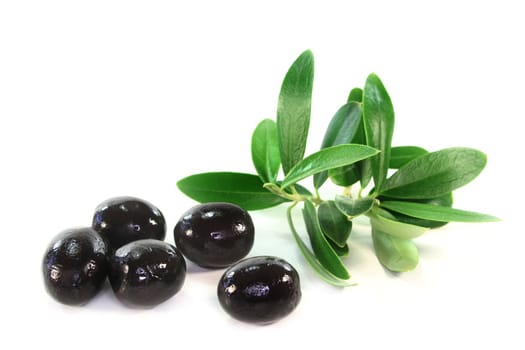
106 98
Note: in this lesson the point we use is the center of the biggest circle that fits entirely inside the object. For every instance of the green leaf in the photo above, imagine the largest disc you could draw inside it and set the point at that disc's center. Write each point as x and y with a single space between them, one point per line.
396 254
436 213
401 155
365 170
340 251
346 175
443 201
293 110
353 207
350 174
334 224
245 190
341 130
265 150
435 174
378 118
322 249
325 159
310 258
356 95
385 222
343 125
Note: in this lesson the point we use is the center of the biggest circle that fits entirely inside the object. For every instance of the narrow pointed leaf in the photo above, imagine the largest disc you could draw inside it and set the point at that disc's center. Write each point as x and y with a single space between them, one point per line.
245 190
378 118
442 201
401 155
361 169
350 174
346 175
385 222
265 150
320 246
334 224
365 170
356 95
436 213
396 254
328 158
353 206
435 174
340 251
293 110
310 258
341 130
343 126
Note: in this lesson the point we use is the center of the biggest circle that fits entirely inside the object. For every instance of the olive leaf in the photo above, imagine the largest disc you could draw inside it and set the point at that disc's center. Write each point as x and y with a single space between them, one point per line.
340 251
310 258
441 201
385 222
326 159
245 190
353 206
394 253
293 110
345 175
401 155
265 150
334 224
355 95
322 249
378 120
350 174
435 174
436 213
341 130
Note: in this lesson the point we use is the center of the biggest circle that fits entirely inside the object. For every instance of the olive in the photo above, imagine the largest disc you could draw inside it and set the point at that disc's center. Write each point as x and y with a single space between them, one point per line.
146 272
75 266
215 235
261 289
122 220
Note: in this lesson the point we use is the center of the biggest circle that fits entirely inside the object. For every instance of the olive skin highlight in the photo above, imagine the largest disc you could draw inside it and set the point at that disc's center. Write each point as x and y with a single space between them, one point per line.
122 220
215 235
260 290
147 272
75 266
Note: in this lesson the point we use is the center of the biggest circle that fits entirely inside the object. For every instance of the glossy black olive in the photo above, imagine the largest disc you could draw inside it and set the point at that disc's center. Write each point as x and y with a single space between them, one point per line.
75 266
215 235
146 272
126 219
262 289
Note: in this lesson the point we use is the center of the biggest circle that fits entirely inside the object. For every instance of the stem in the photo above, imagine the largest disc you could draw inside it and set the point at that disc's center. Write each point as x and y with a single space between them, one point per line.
294 196
277 191
317 196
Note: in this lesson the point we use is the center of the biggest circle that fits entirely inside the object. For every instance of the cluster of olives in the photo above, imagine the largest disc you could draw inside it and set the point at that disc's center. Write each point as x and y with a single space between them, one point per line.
126 244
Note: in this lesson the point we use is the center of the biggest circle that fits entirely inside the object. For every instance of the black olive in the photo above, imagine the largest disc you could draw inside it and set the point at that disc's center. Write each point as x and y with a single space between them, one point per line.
146 272
262 289
215 235
75 266
122 220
